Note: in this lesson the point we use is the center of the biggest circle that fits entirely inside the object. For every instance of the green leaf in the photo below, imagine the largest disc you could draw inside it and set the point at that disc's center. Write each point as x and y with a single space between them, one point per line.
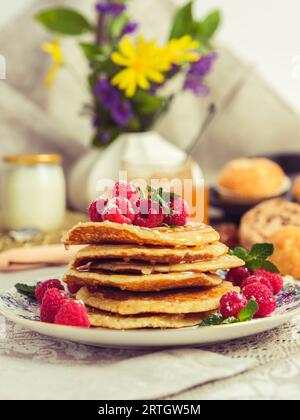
254 265
261 251
210 24
94 53
26 290
249 311
258 263
170 196
267 265
146 103
240 252
117 25
230 320
212 320
64 21
142 194
257 257
183 21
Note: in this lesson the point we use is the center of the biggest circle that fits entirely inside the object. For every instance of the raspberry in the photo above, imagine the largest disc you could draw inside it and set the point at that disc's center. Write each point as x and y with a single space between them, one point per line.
73 313
52 301
96 209
237 275
180 213
119 210
125 190
275 279
257 279
263 296
43 287
231 304
73 288
149 214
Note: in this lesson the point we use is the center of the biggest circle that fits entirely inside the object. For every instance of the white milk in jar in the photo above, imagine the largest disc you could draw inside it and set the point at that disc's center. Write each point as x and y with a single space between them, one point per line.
33 192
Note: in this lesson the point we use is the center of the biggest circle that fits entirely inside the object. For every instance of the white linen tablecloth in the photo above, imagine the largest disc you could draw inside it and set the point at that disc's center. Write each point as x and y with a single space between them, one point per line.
266 366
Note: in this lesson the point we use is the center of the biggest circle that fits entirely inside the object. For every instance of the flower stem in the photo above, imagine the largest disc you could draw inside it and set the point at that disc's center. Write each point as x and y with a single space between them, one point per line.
100 32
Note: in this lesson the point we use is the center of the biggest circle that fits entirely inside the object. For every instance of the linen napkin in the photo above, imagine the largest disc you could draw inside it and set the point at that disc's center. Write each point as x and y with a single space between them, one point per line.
20 259
152 376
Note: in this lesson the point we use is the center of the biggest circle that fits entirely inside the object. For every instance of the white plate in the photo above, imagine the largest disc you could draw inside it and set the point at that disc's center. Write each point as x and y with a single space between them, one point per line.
24 311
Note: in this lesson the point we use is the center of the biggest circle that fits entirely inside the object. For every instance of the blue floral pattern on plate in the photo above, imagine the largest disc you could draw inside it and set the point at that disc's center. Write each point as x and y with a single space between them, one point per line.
287 300
20 305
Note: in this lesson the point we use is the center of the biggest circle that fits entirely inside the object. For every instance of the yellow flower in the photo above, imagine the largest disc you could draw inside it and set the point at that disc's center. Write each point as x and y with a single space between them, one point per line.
145 62
54 50
182 50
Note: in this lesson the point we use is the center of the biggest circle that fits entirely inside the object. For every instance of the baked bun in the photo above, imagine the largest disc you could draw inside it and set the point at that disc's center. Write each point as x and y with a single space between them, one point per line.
296 188
252 178
261 222
287 250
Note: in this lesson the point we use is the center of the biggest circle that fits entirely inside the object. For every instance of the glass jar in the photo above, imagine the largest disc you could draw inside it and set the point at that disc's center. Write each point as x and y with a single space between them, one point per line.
191 185
33 192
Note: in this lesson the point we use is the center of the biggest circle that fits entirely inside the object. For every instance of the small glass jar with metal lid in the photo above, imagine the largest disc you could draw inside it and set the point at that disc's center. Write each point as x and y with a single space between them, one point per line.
33 192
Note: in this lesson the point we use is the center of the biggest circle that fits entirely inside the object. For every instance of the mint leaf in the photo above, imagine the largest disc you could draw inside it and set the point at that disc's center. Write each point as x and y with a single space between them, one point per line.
216 319
142 194
241 253
267 265
26 290
170 196
257 257
255 264
212 320
261 251
230 320
249 311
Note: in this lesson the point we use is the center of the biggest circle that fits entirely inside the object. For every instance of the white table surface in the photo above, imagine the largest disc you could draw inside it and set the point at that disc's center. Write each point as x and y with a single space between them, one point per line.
276 352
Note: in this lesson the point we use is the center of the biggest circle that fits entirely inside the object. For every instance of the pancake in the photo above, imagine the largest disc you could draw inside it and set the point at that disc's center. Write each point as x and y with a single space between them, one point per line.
119 322
222 263
172 302
140 283
107 232
152 254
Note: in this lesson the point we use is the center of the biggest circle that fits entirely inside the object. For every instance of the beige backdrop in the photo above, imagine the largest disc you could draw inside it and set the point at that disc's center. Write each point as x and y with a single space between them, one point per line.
250 118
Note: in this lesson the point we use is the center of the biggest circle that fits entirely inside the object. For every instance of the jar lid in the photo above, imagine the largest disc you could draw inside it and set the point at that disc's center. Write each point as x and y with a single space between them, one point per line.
50 159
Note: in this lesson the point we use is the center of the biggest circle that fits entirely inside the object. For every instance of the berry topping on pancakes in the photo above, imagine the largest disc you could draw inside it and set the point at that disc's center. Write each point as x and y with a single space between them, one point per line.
130 205
149 214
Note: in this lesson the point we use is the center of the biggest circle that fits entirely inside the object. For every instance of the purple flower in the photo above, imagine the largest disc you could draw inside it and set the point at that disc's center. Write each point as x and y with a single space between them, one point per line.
122 113
104 137
130 28
203 66
108 94
174 69
196 74
196 85
96 121
115 8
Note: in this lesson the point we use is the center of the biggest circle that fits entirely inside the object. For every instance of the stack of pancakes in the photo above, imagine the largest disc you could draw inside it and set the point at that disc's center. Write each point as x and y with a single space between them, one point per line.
135 277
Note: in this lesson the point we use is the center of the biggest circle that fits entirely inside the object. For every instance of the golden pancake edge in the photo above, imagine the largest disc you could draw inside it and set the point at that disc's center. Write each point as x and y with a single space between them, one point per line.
100 319
152 254
182 301
193 234
224 262
152 282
